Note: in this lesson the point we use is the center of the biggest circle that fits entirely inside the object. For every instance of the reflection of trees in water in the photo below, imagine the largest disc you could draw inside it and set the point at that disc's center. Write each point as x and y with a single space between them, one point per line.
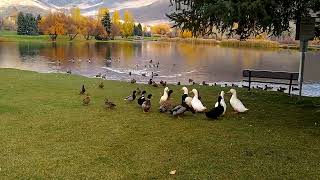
192 53
28 49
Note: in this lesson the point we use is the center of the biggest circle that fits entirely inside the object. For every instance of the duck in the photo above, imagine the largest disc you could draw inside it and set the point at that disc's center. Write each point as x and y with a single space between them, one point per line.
146 105
83 90
108 104
190 80
141 99
236 103
101 85
260 88
131 97
217 111
133 81
167 105
164 97
222 102
69 72
130 73
204 83
178 83
196 103
150 61
99 75
266 87
154 74
144 74
104 76
295 89
86 100
89 61
183 107
185 96
150 82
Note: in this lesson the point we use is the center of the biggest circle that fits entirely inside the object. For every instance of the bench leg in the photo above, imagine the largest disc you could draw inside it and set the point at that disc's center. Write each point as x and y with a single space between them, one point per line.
290 86
249 81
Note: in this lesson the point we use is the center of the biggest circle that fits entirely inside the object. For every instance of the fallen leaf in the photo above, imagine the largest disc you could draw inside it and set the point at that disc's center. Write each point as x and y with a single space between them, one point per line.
173 172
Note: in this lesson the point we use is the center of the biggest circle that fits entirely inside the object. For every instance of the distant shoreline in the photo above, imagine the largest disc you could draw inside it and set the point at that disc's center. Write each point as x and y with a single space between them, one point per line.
10 36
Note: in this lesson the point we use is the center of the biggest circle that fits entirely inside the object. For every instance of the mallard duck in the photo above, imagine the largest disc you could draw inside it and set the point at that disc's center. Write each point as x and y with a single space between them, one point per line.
167 105
164 97
141 99
222 102
217 111
146 105
104 76
108 104
83 90
196 103
69 72
101 85
86 100
236 103
132 97
183 107
190 80
99 75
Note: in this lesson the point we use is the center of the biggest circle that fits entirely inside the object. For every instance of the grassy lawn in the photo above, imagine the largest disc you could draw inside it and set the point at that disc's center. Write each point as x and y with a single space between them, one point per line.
46 132
12 36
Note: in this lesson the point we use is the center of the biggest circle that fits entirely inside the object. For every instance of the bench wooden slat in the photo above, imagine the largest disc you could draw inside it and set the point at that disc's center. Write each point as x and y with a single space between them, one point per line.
271 82
271 74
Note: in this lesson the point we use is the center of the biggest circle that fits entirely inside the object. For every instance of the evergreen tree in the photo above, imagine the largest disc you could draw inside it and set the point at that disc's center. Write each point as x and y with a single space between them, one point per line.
21 24
242 18
140 31
106 22
31 25
38 20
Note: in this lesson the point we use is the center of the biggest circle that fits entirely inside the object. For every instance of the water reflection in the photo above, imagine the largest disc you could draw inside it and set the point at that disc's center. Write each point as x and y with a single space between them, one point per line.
178 62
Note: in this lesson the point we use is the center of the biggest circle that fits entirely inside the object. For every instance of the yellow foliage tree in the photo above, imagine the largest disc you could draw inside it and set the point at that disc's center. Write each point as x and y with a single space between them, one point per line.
161 29
90 27
128 24
116 24
53 24
101 12
186 34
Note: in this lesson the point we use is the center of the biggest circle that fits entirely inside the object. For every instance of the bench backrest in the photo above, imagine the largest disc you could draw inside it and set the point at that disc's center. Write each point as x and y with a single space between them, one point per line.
271 74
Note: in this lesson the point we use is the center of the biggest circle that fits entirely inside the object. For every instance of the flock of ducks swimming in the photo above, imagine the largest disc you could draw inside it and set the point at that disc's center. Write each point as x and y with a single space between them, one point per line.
188 103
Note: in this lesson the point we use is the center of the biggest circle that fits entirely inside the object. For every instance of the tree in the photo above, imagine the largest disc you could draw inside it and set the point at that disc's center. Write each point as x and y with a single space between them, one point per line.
38 20
161 29
90 29
53 24
106 22
21 24
128 24
137 30
75 23
252 17
116 24
102 12
115 30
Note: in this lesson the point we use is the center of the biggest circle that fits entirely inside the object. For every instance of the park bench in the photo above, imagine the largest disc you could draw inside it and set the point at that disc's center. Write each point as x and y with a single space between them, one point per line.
285 78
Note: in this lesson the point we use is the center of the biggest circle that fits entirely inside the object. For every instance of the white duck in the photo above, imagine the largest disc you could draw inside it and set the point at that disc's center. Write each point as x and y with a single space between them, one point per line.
165 96
222 102
196 103
187 99
236 103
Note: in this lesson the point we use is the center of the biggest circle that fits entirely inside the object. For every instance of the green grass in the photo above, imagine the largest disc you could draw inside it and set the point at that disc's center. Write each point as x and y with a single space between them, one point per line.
46 133
12 36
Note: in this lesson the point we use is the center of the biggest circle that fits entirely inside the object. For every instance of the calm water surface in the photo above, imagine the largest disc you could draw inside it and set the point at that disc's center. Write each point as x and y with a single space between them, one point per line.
177 61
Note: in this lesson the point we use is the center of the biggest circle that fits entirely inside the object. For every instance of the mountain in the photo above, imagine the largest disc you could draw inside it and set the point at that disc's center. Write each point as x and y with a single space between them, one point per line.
146 11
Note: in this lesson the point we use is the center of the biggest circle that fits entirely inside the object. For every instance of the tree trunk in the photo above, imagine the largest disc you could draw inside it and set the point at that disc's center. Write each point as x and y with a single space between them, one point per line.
72 37
53 37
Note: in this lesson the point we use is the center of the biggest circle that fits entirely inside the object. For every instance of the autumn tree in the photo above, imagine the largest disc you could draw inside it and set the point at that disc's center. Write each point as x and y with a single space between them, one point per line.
101 13
116 24
161 29
75 23
53 25
128 24
90 29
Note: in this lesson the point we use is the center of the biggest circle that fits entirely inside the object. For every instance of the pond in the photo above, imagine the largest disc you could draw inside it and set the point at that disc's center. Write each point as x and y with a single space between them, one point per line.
172 62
